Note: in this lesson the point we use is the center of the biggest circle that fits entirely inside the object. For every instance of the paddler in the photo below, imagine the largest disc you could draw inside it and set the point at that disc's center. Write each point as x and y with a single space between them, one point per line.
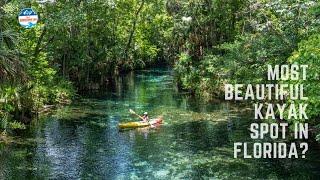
145 117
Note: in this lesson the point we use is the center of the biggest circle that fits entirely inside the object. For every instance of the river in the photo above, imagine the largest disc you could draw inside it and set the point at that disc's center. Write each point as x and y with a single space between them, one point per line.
82 141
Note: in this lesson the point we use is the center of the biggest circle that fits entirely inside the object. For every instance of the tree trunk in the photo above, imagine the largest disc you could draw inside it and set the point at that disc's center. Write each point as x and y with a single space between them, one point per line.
133 30
37 49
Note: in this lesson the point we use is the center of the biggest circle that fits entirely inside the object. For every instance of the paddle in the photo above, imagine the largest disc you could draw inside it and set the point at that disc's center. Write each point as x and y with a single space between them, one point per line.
132 112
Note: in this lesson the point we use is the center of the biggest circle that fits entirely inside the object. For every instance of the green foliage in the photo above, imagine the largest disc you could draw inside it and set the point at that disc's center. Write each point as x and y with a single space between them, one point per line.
16 125
76 45
185 69
232 42
4 120
309 53
265 32
28 79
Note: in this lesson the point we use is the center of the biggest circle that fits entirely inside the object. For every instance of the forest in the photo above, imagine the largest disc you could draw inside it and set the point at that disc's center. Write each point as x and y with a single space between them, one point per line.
83 45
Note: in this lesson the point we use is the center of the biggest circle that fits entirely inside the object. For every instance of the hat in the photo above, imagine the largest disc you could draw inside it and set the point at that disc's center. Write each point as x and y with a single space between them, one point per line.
145 113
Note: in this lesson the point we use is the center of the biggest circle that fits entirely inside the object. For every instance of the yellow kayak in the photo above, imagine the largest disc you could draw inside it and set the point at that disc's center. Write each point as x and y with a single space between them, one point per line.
138 124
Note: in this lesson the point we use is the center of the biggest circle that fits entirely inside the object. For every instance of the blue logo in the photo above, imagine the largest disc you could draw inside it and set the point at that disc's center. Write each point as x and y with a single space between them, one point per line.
28 18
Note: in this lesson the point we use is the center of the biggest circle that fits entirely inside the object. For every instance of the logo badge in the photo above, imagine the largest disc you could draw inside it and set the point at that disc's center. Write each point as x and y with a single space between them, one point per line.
28 18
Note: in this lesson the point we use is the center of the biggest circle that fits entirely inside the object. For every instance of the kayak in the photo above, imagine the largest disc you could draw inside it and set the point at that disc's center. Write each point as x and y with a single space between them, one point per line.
138 124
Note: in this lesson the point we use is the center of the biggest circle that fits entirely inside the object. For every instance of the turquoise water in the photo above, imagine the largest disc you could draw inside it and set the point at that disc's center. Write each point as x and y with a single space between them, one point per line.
82 141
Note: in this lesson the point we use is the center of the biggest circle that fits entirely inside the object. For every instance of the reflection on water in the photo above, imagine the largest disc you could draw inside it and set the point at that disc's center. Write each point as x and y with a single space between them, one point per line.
196 139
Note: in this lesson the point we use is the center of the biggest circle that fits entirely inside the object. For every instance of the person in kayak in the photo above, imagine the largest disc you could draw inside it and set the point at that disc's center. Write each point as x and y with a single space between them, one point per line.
145 117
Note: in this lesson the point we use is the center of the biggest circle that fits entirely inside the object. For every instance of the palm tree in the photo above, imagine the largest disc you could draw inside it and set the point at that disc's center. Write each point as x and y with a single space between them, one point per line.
11 67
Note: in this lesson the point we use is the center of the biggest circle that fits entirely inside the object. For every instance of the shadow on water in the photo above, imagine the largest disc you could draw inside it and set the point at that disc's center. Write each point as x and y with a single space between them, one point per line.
196 139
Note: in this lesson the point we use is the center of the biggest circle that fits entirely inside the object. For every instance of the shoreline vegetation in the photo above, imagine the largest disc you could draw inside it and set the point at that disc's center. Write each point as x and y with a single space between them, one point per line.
81 46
